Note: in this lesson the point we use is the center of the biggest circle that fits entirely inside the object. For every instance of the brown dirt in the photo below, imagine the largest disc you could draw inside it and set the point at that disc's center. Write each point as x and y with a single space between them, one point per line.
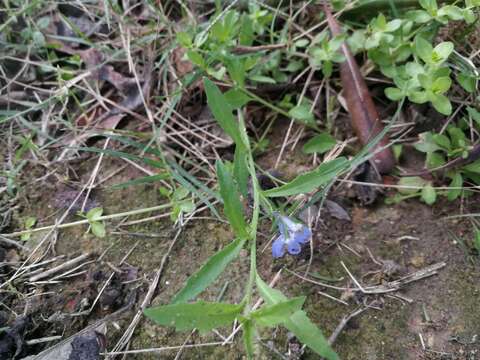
410 235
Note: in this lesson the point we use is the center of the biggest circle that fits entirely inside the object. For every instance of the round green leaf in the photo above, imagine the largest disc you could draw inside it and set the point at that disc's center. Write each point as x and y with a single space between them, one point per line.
428 194
423 49
441 104
319 144
394 94
411 184
442 51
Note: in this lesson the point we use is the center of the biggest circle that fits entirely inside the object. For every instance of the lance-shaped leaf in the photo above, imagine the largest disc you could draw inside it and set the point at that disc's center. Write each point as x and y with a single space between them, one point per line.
201 315
209 272
312 180
249 333
272 315
231 200
365 119
222 111
298 323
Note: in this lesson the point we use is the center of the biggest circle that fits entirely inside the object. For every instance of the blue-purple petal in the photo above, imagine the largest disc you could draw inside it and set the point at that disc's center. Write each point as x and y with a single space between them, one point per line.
292 236
294 247
282 228
278 247
303 235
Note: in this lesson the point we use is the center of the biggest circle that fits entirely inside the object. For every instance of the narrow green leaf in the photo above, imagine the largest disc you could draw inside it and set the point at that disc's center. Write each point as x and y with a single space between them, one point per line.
240 170
262 79
231 200
272 315
143 180
209 272
249 338
194 185
476 241
310 181
123 155
201 315
299 323
222 111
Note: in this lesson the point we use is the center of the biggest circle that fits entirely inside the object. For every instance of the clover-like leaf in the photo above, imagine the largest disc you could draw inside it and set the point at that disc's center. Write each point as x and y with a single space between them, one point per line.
98 229
428 195
423 49
441 103
441 85
94 214
394 93
442 51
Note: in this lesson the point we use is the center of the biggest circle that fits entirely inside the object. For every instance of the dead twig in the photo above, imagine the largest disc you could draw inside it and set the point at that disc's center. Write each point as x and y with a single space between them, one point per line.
344 323
65 265
252 49
393 286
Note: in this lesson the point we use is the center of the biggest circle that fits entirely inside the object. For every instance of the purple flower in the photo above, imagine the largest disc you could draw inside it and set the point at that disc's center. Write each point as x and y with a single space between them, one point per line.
292 236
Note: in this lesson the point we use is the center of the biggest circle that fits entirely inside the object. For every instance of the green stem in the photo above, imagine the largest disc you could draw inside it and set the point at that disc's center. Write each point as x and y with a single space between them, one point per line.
85 221
266 103
255 217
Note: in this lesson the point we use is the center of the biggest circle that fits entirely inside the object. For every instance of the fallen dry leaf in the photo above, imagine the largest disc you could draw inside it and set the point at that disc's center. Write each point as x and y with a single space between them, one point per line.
365 119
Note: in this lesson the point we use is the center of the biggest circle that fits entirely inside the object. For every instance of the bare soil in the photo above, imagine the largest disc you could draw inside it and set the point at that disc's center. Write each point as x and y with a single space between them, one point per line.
433 318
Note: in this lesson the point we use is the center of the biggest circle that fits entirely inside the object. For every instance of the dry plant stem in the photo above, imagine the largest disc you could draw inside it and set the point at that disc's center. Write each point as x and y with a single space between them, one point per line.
290 126
365 119
11 242
388 287
43 240
93 176
43 340
65 265
125 339
109 355
395 285
471 188
344 323
252 49
88 311
80 222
